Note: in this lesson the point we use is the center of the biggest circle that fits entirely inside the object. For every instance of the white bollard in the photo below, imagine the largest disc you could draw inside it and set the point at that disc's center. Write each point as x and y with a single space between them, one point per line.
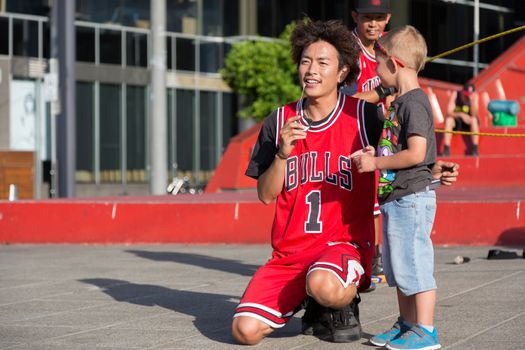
13 195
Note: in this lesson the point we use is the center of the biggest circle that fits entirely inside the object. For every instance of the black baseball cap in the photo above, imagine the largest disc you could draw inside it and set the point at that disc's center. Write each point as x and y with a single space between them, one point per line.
372 6
468 89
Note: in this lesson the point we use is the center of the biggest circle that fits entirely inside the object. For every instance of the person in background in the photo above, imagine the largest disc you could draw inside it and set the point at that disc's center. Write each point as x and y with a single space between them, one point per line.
462 115
371 19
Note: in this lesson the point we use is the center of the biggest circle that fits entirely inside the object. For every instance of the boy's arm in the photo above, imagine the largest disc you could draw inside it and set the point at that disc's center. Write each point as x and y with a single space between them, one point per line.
413 155
376 95
368 96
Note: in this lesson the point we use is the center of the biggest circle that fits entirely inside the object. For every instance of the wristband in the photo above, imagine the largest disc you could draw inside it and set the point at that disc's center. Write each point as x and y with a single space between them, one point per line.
383 92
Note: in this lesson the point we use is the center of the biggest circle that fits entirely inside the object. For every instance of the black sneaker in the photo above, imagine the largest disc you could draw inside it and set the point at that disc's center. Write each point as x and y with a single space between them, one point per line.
497 254
372 286
343 324
446 151
377 266
310 322
474 151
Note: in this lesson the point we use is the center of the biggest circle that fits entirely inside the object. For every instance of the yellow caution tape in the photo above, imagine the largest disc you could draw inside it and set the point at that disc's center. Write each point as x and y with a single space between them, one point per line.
475 43
478 133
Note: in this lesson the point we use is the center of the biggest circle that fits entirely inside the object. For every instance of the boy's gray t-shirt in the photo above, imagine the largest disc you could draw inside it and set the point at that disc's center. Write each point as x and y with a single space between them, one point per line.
409 114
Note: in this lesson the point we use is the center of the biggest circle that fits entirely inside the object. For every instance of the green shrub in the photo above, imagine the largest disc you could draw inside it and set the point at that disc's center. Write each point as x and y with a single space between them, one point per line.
262 74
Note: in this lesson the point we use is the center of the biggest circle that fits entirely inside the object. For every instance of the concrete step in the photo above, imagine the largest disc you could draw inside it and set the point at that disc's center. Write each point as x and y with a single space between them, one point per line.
490 170
465 215
474 215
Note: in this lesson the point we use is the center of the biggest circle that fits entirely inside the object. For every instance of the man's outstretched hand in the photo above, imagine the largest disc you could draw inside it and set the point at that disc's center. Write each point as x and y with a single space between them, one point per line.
446 172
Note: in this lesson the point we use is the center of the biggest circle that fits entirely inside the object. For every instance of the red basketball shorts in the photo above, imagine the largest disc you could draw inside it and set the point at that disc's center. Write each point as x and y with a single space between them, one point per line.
278 288
376 203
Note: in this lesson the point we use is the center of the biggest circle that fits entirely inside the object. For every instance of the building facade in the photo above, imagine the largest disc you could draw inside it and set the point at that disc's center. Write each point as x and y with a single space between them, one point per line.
112 59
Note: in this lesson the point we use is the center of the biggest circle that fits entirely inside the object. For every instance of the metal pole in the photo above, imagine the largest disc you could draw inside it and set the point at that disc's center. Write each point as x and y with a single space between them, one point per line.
39 113
54 105
476 37
158 121
63 48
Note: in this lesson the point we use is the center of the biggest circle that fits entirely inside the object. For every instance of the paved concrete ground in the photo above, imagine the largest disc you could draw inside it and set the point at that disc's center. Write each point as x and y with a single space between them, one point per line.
182 297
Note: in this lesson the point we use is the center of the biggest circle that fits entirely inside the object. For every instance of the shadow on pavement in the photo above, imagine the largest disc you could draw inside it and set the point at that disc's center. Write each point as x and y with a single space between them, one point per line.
512 237
213 312
205 261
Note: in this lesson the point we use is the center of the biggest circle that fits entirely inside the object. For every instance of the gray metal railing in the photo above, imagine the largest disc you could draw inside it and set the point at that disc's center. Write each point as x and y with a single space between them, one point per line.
196 41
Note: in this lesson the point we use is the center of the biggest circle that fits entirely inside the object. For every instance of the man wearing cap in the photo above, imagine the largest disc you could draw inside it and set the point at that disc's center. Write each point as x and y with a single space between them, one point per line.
371 18
462 114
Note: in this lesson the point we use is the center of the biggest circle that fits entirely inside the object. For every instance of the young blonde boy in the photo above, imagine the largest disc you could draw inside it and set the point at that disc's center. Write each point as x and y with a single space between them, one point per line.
405 156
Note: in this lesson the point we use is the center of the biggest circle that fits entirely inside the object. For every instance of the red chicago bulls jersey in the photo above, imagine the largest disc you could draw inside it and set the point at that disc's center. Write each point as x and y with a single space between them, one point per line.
367 79
324 199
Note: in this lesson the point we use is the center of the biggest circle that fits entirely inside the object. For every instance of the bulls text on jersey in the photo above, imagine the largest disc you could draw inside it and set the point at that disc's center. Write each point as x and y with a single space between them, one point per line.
314 167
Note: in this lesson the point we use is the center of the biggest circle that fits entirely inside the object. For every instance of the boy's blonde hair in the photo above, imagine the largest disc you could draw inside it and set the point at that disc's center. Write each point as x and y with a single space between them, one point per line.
406 44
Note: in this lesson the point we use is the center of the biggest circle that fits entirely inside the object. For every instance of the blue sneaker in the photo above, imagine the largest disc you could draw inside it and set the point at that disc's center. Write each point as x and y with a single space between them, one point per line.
381 339
415 338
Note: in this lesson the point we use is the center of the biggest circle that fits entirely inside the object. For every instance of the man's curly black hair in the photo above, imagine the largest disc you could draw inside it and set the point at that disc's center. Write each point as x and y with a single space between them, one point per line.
333 32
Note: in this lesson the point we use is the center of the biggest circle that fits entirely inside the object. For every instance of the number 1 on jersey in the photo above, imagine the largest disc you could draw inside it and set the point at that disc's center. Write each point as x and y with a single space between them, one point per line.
313 224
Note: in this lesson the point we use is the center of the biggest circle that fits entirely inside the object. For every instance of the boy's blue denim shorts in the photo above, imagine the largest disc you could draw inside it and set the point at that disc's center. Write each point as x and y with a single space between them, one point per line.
408 254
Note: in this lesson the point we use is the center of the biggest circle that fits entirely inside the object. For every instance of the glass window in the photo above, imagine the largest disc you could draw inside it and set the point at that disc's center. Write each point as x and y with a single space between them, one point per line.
25 38
185 129
212 17
110 110
274 15
336 9
169 53
136 133
231 18
208 132
181 16
264 12
22 114
220 17
30 7
133 13
496 22
110 46
4 36
229 120
211 57
85 44
136 49
85 132
170 102
185 53
100 11
435 18
46 39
